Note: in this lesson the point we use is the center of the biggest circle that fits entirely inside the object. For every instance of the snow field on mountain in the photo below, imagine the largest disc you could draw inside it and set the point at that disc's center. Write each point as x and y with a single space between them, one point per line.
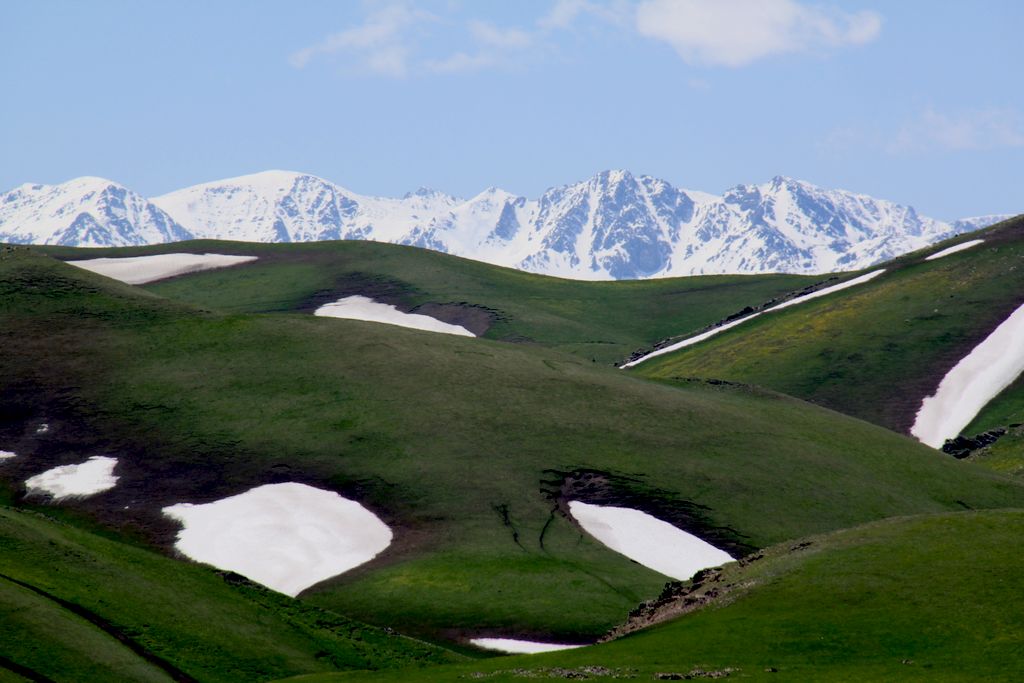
287 537
365 308
954 249
690 341
513 646
647 540
7 455
989 368
614 225
95 475
138 270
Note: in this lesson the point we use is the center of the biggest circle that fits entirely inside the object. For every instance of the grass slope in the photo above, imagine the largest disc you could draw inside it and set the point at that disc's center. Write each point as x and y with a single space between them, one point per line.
604 321
924 598
459 444
80 607
876 350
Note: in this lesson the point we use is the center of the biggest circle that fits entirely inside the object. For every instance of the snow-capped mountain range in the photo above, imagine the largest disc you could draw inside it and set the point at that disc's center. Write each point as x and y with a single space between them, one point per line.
613 226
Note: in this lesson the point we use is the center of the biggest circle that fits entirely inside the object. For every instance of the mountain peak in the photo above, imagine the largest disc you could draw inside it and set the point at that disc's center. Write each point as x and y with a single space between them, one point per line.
612 225
425 192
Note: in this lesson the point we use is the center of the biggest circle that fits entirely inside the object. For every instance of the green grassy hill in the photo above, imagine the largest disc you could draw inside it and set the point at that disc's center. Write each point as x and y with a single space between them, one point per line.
79 607
467 448
932 598
604 321
876 350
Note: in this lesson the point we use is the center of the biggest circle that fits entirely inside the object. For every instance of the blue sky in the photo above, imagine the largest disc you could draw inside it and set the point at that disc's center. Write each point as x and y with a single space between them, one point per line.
916 101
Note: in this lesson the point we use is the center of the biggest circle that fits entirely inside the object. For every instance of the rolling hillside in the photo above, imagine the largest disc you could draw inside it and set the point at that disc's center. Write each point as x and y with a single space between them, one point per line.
923 598
78 606
877 350
602 321
467 448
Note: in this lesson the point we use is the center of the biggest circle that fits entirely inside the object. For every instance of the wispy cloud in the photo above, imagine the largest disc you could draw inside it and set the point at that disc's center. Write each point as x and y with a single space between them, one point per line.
735 33
980 129
490 35
932 131
564 14
380 44
395 37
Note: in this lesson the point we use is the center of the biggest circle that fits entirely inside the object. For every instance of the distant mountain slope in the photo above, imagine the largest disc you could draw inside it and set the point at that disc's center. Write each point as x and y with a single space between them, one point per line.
614 225
84 212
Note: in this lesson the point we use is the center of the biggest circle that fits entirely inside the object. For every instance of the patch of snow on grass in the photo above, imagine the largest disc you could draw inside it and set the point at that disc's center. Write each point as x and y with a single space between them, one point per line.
7 455
520 647
990 367
69 481
955 248
284 536
138 270
645 539
365 308
690 341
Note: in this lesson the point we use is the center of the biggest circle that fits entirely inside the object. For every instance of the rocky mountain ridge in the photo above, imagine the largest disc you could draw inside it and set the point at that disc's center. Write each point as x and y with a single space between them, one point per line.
615 225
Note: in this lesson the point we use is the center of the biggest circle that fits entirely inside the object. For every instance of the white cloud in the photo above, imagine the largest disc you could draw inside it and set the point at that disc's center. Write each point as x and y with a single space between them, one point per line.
564 13
495 47
379 44
738 32
488 34
982 129
460 62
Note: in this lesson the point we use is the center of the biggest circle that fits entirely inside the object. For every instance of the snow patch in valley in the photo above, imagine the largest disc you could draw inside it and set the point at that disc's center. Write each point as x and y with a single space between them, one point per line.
954 249
138 270
647 540
69 481
7 455
690 341
365 308
989 368
520 647
287 537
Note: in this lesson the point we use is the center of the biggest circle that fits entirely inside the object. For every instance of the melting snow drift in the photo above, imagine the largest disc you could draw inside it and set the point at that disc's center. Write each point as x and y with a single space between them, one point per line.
519 647
690 341
952 250
84 479
284 536
990 367
648 540
365 308
138 270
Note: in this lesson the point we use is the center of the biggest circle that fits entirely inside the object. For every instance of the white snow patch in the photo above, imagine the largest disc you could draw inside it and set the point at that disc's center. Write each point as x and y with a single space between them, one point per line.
138 270
365 308
990 367
68 481
520 647
690 341
955 248
284 536
43 428
654 543
7 455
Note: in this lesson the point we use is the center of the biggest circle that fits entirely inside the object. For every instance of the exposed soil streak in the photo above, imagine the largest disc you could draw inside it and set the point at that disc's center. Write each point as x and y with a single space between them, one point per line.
23 671
503 512
110 629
